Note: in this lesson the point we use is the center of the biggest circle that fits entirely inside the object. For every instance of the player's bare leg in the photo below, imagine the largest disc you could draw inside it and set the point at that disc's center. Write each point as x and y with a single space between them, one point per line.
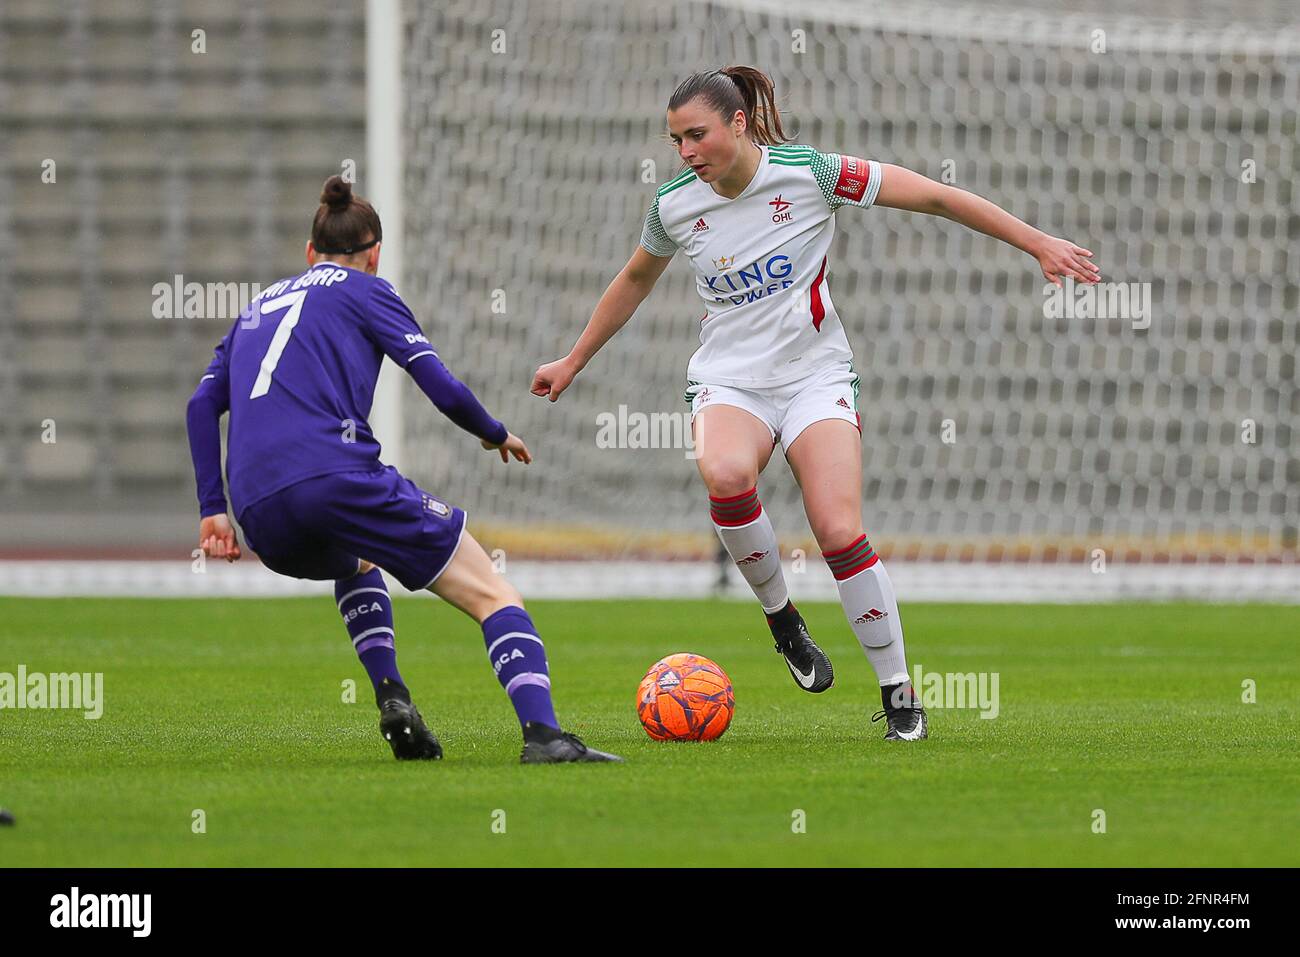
732 447
471 583
826 460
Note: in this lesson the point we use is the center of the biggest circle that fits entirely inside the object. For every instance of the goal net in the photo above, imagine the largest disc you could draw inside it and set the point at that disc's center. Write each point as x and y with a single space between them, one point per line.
1152 425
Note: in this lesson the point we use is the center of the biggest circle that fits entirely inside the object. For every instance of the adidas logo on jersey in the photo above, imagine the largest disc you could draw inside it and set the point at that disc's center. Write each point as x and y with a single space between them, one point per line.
842 403
875 614
700 226
751 558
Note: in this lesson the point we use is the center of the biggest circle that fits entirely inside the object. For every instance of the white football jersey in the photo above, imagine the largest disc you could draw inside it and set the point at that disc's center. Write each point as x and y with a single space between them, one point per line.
761 262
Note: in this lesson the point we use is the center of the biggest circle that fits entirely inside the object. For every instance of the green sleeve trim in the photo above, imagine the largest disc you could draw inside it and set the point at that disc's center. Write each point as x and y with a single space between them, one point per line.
681 179
654 237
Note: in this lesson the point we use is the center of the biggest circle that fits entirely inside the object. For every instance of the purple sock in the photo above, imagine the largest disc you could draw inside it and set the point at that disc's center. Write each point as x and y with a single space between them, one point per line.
519 659
368 614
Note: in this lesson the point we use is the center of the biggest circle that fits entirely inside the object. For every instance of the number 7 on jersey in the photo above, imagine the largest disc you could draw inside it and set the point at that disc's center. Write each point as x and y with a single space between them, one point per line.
294 301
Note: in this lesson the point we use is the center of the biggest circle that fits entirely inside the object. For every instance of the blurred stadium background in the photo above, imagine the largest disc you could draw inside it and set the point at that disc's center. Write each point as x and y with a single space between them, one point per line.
512 149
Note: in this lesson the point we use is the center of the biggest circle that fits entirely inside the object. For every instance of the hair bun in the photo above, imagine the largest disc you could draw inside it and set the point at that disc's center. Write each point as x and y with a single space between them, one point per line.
336 194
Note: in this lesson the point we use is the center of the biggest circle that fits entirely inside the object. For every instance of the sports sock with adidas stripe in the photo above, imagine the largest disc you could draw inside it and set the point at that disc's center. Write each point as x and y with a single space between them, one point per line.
747 534
868 599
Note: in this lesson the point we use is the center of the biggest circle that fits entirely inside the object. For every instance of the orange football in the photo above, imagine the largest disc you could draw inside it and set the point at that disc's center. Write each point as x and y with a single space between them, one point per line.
685 697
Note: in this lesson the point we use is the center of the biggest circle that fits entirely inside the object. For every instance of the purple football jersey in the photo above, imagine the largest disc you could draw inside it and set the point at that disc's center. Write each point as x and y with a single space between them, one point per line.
298 371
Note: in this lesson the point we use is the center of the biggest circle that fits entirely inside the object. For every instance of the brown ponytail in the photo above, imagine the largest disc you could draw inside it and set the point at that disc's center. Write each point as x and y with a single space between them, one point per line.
737 88
345 224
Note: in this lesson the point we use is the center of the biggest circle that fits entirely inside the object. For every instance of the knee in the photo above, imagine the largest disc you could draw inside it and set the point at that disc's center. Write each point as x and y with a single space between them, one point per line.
725 479
837 534
366 567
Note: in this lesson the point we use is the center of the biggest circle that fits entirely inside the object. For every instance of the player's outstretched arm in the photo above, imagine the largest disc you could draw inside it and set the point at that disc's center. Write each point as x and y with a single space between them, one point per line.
903 189
393 328
620 300
456 401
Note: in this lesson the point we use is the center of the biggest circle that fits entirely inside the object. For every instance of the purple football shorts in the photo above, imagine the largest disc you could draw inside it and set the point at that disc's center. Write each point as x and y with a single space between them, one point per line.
320 527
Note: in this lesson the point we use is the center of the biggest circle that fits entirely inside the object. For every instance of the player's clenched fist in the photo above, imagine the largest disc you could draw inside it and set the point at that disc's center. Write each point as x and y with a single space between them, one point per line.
553 378
217 538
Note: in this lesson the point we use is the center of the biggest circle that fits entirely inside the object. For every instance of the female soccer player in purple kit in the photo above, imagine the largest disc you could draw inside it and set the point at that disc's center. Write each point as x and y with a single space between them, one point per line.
297 373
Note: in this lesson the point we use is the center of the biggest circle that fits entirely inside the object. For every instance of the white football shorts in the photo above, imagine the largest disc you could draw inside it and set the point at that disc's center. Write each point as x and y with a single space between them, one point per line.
786 410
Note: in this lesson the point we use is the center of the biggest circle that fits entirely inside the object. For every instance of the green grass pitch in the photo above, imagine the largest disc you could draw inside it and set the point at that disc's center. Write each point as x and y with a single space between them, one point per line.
235 708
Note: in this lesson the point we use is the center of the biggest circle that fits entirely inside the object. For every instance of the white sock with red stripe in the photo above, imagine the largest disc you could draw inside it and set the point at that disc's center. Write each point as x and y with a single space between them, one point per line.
869 603
747 533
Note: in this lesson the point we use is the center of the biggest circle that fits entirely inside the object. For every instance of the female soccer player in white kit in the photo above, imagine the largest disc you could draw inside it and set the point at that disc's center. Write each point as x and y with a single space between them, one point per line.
756 217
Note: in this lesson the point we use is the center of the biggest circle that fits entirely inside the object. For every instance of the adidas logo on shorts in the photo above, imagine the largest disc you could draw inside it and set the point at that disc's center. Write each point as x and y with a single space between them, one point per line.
843 403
